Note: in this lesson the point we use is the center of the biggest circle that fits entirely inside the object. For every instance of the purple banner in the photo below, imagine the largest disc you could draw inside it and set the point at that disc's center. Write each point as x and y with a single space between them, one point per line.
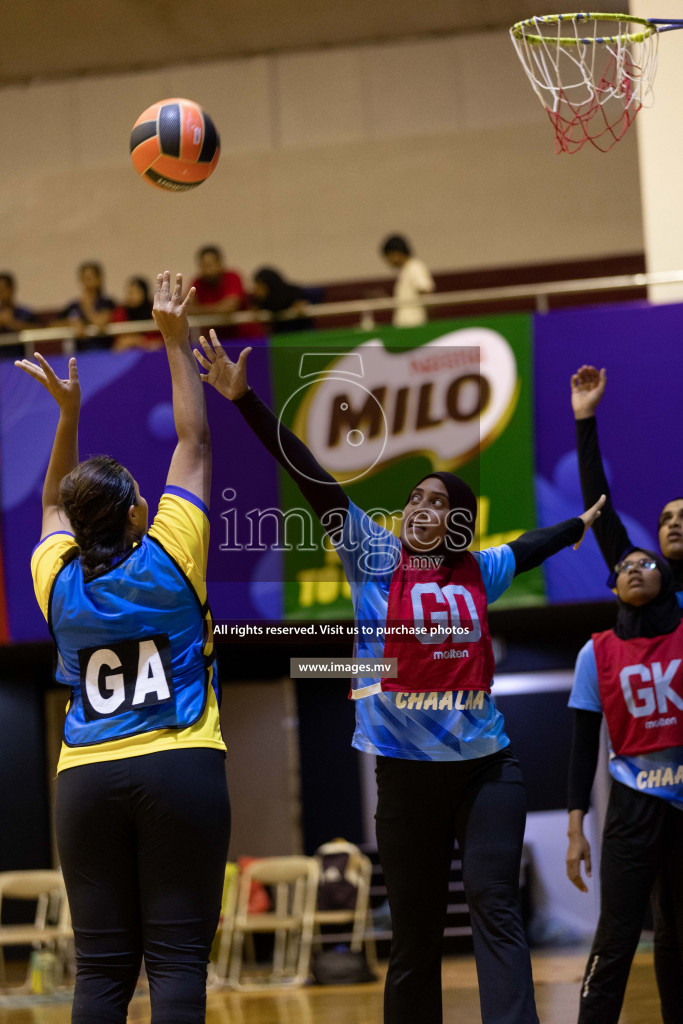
640 347
127 413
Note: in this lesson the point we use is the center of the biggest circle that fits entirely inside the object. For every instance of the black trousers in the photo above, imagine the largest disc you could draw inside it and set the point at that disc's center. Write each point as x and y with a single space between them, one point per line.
642 847
143 844
423 806
667 912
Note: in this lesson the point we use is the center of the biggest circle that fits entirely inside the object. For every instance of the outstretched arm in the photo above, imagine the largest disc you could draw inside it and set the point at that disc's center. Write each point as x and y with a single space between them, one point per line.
64 456
191 463
588 387
316 485
533 547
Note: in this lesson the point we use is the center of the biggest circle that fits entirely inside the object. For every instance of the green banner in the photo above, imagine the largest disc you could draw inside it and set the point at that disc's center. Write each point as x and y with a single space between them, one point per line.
380 409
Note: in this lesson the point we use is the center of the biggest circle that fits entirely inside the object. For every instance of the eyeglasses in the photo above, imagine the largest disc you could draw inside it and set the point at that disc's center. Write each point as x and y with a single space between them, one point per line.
643 563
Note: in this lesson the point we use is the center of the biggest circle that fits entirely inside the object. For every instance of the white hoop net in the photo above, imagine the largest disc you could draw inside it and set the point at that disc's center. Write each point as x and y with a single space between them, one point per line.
591 72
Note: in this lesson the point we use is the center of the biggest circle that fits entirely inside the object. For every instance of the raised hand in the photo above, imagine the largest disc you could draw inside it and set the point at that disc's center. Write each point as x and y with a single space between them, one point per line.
66 393
228 378
588 387
589 517
64 456
170 310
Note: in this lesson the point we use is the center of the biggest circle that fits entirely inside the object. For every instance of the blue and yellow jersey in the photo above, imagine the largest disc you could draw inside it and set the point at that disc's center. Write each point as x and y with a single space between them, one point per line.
134 643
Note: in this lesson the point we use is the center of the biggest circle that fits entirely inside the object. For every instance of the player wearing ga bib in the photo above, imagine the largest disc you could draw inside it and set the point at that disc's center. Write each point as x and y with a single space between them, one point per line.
142 812
657 770
134 643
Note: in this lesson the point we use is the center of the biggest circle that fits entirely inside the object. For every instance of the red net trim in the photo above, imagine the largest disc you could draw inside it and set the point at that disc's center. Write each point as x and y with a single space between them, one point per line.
605 119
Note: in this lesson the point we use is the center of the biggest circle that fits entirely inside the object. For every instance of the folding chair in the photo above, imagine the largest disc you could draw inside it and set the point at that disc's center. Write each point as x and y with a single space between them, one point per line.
51 925
359 870
294 883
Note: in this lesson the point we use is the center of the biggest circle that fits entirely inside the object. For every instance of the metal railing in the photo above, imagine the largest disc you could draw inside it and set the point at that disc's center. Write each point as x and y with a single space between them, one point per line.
365 309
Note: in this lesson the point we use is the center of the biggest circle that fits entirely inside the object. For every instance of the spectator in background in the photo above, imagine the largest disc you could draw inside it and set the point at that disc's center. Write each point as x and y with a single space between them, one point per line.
412 281
137 305
279 297
13 318
218 290
92 309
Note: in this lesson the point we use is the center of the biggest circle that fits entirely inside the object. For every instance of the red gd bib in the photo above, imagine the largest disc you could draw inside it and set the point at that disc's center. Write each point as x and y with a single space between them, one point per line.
437 627
641 690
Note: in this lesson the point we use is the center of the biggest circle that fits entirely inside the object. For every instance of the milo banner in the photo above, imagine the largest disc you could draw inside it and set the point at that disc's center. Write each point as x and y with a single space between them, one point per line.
380 410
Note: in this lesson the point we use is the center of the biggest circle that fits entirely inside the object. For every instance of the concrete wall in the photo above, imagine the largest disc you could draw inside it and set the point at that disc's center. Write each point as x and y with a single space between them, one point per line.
661 154
323 154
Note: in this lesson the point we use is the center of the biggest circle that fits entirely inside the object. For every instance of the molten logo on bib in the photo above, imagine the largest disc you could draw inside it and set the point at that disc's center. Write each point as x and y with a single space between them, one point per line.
448 646
641 690
446 399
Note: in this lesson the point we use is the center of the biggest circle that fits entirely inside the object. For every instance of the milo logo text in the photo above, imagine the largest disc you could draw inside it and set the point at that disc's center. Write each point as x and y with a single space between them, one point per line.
447 399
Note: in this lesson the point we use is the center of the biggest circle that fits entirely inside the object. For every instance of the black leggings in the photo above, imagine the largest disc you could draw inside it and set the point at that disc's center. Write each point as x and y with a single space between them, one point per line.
642 847
143 844
423 806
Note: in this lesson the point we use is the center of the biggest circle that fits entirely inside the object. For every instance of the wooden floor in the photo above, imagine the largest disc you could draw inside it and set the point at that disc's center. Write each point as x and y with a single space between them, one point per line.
557 978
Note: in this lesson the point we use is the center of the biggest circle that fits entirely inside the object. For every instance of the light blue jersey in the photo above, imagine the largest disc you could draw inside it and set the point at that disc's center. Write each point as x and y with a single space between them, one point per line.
659 772
426 726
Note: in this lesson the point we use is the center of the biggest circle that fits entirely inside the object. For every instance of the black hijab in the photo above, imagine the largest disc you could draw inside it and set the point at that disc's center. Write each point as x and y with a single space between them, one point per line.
676 566
657 617
461 518
281 294
143 310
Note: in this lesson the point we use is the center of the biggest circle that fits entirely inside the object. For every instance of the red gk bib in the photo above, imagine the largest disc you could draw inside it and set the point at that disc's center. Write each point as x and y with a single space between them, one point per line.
641 690
437 627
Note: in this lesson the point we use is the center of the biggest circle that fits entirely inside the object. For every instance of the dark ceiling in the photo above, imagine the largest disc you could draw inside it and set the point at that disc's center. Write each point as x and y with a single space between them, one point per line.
62 38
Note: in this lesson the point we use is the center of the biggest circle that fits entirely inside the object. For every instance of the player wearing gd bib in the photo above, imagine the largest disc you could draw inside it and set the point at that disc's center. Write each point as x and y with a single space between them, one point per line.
444 766
142 813
633 675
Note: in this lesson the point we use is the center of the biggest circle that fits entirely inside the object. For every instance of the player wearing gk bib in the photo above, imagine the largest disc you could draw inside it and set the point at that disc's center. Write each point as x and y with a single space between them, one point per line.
633 675
142 813
444 767
587 388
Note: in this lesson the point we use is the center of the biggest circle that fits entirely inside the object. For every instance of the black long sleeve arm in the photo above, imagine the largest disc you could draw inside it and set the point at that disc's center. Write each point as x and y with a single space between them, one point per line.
535 546
326 496
320 489
609 530
583 759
